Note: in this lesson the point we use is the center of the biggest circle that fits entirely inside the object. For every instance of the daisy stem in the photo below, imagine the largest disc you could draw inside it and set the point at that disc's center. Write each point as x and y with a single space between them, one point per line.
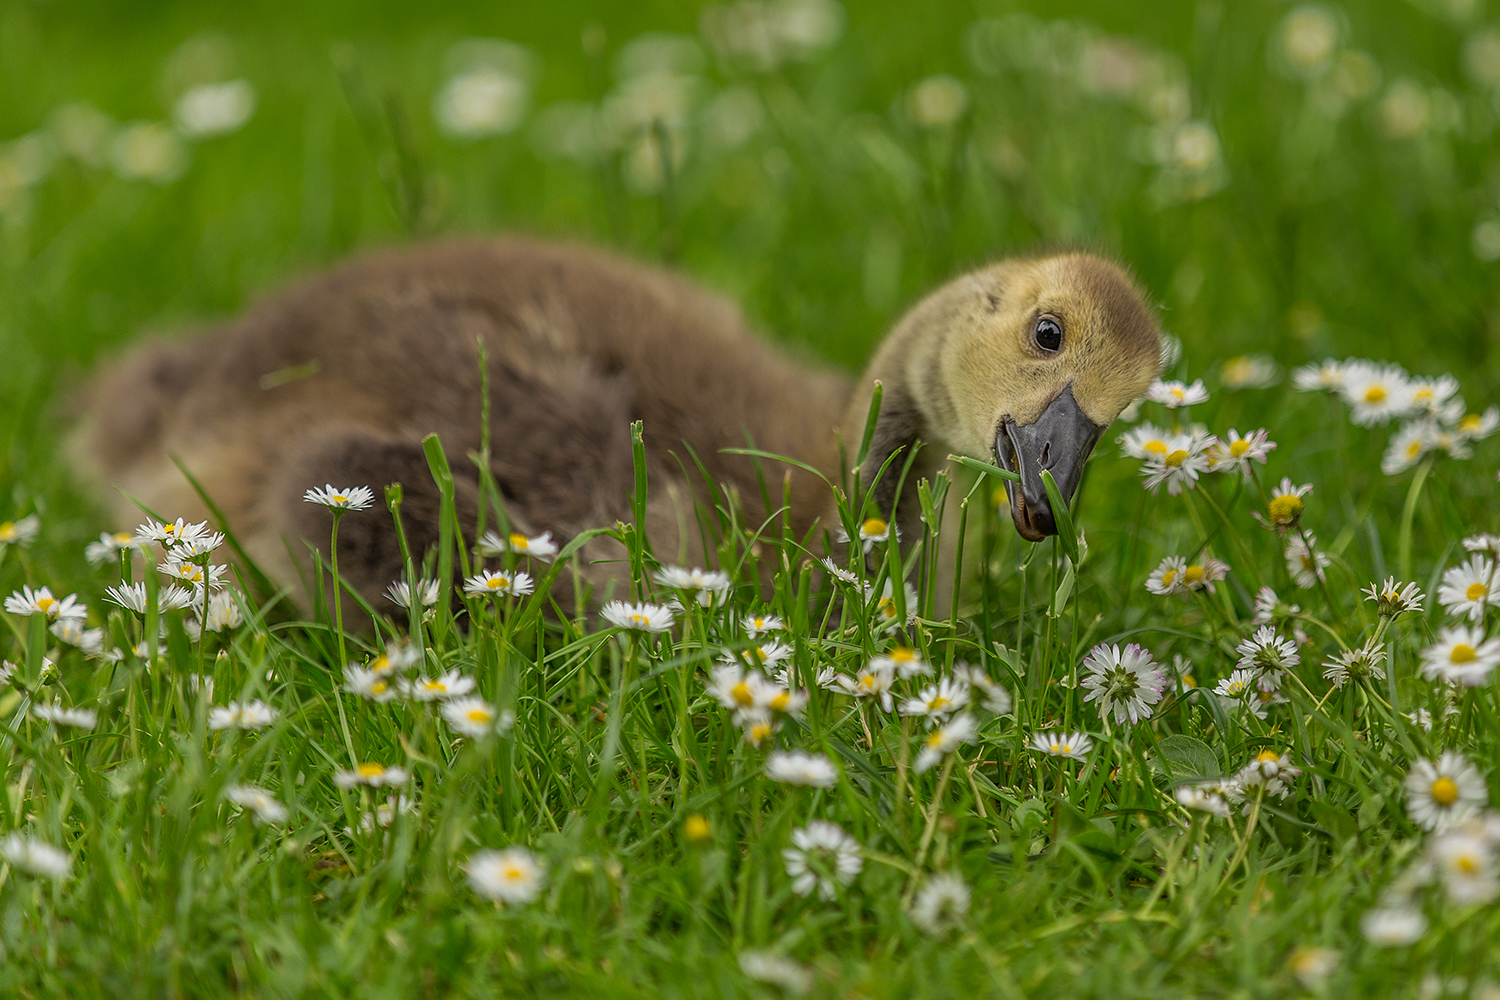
1244 847
932 818
1408 515
338 601
36 644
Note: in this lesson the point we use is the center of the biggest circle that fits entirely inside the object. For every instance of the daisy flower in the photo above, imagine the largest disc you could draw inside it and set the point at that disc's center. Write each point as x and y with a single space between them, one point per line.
1376 393
822 857
1483 543
870 683
374 775
20 532
758 625
399 593
1407 446
1125 683
736 688
1365 662
1075 745
1305 565
41 602
992 696
1179 468
36 857
250 715
1442 794
786 700
1477 427
1470 589
537 546
133 597
1392 598
398 656
759 725
1172 393
1235 453
109 545
766 654
72 632
78 718
351 498
904 661
827 678
513 876
1203 798
1267 653
449 685
169 535
1145 441
1166 578
1285 507
1433 395
377 687
1461 655
944 739
872 532
201 544
942 904
1393 926
885 607
499 584
839 573
223 614
707 585
797 767
638 617
193 575
1464 860
259 801
1327 377
1238 684
1250 371
473 717
791 977
938 701
1272 770
1313 965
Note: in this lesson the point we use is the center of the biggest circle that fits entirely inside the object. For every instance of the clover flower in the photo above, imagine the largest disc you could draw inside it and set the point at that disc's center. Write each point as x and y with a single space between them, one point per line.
822 857
1125 683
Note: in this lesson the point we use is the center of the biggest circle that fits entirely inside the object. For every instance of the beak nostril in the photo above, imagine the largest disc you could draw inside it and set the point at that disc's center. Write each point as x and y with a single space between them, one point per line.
1046 461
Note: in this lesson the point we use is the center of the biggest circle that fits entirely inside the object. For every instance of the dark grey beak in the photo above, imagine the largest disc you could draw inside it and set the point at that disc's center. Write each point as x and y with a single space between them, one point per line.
1058 440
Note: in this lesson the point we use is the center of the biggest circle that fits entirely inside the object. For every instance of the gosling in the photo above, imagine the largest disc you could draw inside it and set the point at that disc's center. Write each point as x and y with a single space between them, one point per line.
338 379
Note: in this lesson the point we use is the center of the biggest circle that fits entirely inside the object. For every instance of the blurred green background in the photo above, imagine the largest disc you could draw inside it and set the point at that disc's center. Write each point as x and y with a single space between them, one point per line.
1294 180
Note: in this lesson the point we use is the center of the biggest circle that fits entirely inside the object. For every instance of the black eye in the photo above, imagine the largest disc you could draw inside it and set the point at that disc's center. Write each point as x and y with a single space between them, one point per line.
1048 333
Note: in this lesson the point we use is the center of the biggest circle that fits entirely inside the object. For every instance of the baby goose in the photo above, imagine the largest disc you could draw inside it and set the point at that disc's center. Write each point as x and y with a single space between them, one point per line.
338 379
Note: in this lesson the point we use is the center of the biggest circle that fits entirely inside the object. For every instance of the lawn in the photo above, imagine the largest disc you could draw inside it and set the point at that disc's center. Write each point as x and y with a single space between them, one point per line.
1263 770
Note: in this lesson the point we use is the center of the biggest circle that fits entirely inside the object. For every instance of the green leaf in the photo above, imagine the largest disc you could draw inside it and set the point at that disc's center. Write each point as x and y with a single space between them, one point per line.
985 467
1187 757
1066 533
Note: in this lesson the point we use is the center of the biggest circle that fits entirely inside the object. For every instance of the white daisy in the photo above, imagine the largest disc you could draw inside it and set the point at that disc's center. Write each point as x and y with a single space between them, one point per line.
1476 426
513 876
351 498
1362 663
707 586
1305 565
77 718
1461 655
1393 927
870 683
1271 769
1146 441
20 532
822 857
374 775
1250 371
1327 377
1235 453
1268 655
839 573
637 617
1179 468
473 717
36 857
488 583
41 602
1441 795
201 544
250 715
873 531
223 613
1075 745
399 593
72 632
904 661
368 684
1172 393
792 978
1407 446
1125 683
1464 860
786 700
134 597
193 574
169 535
797 767
758 625
109 545
1237 685
1483 543
1433 395
1376 392
1392 598
440 688
1166 578
765 654
1284 510
537 546
942 904
758 724
1203 797
938 701
398 656
1470 589
259 801
991 695
1313 965
738 689
943 739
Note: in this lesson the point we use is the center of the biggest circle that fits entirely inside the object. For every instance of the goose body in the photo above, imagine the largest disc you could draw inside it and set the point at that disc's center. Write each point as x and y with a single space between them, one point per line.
338 379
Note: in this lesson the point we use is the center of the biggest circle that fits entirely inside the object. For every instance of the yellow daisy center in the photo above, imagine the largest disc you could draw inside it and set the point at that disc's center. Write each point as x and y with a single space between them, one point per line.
874 526
1267 757
45 603
935 738
434 686
1063 747
518 542
1423 395
1285 509
640 621
380 664
1238 448
1375 394
379 687
1470 423
1235 687
1155 447
1475 591
512 873
1445 791
758 623
1192 574
7 531
868 682
759 731
1414 449
903 654
122 537
340 498
696 829
742 694
370 770
1467 863
1176 458
781 701
1168 577
478 715
498 582
938 704
1178 394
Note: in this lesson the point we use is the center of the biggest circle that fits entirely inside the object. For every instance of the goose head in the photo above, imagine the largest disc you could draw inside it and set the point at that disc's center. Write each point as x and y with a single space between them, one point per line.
1026 362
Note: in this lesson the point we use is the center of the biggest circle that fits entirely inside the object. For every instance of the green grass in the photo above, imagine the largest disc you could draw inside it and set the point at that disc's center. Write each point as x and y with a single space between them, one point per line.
1308 234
